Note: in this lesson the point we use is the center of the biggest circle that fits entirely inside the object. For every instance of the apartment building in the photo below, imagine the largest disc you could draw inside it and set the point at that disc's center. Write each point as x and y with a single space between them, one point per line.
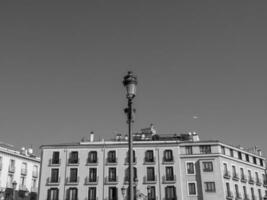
176 167
19 173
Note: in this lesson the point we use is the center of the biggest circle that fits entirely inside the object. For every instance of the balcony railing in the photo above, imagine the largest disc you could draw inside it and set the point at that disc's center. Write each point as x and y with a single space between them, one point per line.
265 197
92 161
72 181
11 169
53 181
229 195
23 171
54 161
112 161
169 179
251 180
149 161
167 161
91 181
126 180
258 182
238 196
253 197
264 183
23 187
72 161
35 174
235 177
246 197
243 178
127 161
227 174
34 189
109 180
152 180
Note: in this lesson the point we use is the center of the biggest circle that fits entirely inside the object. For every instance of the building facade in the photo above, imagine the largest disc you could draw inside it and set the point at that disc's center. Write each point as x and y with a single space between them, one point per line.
19 173
165 168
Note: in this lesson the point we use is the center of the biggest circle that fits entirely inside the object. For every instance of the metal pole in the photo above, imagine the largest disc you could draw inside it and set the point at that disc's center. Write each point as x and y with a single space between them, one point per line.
130 149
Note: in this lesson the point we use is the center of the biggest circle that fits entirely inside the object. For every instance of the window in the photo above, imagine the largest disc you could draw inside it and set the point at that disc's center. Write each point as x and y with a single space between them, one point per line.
92 157
257 177
231 153
73 174
247 157
236 191
261 162
10 178
134 174
168 155
128 157
170 193
22 181
34 183
234 171
112 193
255 160
245 192
54 176
55 157
91 193
149 156
259 193
239 155
72 194
11 165
249 174
207 166
151 194
169 174
74 159
112 176
210 187
226 173
190 169
35 171
242 173
52 194
192 188
112 157
228 191
252 194
150 174
205 149
188 150
92 174
24 168
223 150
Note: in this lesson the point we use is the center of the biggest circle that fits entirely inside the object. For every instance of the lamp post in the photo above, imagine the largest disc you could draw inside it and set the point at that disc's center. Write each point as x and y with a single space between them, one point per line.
14 185
130 82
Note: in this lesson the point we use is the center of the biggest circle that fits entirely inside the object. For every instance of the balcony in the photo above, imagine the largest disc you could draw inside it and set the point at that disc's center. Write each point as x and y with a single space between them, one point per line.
54 162
246 197
264 183
265 197
258 182
150 161
150 180
238 196
127 161
24 172
34 189
243 179
92 161
229 195
91 181
112 161
227 174
53 181
72 161
253 197
235 177
111 181
34 174
168 161
72 181
169 179
11 169
23 187
126 180
251 180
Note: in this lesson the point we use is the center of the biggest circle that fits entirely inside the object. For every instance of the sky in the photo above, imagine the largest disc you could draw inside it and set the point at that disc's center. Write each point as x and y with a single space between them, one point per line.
201 66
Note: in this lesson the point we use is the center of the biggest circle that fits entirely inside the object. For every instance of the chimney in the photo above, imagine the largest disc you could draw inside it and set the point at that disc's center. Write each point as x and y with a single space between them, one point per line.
92 136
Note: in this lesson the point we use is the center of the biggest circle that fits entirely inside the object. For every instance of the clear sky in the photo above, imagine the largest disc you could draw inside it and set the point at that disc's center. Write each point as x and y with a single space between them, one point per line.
201 66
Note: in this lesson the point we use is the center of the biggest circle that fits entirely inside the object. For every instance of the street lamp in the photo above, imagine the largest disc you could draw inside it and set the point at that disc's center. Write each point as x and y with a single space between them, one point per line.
130 82
14 185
